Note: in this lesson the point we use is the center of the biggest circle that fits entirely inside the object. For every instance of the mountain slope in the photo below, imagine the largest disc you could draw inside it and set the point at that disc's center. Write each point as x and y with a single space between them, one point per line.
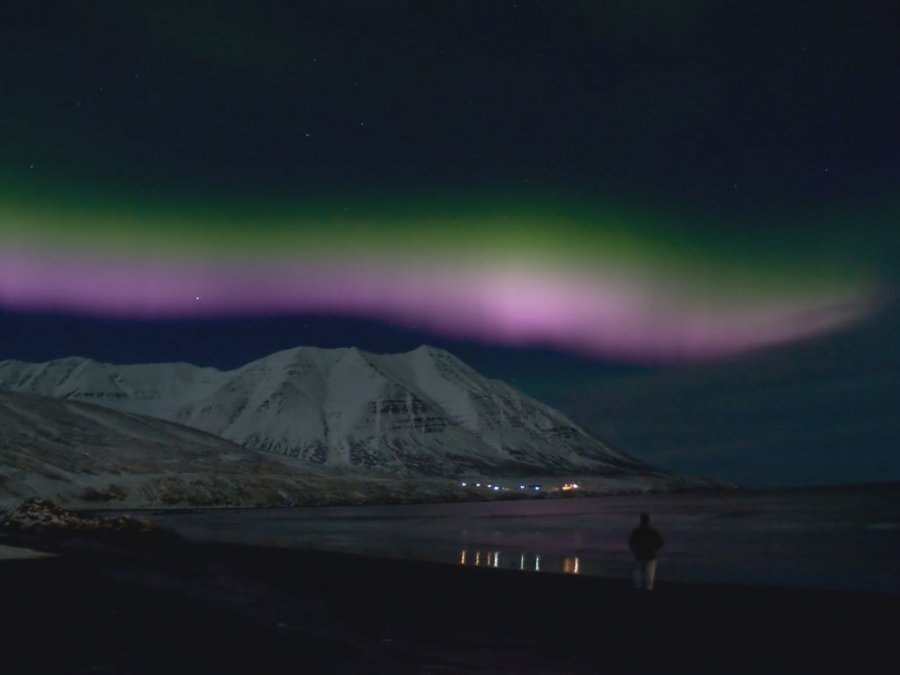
86 455
419 413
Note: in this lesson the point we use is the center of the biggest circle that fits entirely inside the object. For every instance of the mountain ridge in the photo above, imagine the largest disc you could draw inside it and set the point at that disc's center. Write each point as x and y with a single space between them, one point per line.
420 412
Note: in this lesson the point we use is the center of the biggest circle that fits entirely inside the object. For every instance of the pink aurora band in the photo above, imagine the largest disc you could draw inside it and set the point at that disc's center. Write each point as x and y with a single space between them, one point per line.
601 315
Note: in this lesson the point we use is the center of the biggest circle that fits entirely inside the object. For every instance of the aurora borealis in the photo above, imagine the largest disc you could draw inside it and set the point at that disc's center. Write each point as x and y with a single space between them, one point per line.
508 272
597 188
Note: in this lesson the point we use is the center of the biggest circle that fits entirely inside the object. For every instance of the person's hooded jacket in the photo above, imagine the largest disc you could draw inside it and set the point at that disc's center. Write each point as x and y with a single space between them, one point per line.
645 542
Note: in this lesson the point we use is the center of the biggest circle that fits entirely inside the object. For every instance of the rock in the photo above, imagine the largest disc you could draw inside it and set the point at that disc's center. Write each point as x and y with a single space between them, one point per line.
42 516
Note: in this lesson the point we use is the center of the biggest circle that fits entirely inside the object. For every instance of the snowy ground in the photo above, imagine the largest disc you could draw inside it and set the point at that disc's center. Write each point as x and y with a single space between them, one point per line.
16 553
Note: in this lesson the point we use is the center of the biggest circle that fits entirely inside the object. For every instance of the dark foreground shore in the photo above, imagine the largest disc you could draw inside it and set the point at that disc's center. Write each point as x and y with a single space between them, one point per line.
199 608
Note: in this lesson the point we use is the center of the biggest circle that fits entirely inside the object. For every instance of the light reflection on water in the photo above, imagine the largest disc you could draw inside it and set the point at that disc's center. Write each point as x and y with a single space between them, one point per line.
526 562
845 538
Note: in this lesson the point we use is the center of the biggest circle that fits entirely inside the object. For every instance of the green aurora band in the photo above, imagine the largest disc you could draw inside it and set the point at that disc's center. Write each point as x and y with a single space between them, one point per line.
597 278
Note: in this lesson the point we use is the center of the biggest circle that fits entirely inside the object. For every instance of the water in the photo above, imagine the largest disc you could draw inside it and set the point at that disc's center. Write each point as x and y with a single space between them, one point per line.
847 538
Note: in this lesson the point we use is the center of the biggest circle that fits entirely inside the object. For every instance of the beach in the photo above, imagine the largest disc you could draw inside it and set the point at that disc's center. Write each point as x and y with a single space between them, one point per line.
188 607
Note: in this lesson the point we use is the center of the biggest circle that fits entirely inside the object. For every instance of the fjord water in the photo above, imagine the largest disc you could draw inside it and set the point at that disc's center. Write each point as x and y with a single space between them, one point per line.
845 538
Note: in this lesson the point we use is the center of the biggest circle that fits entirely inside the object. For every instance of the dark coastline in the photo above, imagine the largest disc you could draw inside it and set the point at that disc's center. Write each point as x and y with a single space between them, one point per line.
192 608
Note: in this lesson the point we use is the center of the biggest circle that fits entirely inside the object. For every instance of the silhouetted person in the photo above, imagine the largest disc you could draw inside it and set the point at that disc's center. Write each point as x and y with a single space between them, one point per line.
645 542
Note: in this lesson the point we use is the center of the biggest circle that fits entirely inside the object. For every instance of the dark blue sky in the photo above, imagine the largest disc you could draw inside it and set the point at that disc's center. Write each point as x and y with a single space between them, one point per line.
673 101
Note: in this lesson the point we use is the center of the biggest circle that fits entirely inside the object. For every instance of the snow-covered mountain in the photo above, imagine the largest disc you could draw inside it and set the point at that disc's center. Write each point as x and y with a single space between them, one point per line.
86 455
424 412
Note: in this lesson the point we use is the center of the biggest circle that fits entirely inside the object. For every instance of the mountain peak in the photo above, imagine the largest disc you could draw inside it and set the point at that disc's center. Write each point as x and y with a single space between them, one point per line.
426 349
418 412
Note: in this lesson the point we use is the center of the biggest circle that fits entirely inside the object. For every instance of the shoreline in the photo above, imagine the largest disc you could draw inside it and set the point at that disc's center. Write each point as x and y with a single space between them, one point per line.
473 497
512 497
347 613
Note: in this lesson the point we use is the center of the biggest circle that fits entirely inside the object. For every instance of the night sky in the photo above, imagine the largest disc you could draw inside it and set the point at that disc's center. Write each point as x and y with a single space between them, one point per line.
571 196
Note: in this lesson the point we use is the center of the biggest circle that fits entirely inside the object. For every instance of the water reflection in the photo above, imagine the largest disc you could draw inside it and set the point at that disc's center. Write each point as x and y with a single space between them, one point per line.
525 562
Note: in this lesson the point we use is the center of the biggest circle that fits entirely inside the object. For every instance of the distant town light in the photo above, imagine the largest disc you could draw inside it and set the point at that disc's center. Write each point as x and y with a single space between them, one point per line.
464 483
496 487
571 566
